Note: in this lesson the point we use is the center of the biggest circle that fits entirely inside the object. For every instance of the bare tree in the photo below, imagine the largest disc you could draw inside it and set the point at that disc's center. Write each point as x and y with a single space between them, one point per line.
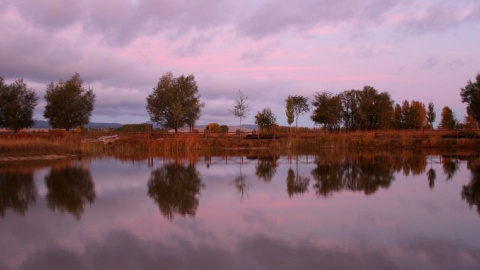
241 107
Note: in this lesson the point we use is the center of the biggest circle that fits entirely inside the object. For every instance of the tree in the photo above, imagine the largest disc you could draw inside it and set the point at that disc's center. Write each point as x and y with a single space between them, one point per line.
213 128
300 106
69 104
375 109
350 109
431 114
397 117
471 94
241 107
265 119
448 120
175 102
328 110
289 111
17 103
417 114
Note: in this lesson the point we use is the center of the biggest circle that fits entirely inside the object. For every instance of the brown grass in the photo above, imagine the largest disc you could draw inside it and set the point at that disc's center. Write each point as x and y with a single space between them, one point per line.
66 143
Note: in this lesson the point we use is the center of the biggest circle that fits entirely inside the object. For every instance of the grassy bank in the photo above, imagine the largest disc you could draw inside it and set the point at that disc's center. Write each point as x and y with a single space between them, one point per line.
74 144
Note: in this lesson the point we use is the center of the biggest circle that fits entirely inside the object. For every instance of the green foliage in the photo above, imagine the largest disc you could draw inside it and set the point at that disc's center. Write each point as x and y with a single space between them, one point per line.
17 103
471 95
431 114
350 109
375 109
136 128
224 128
300 106
265 119
328 110
448 120
69 104
289 111
175 102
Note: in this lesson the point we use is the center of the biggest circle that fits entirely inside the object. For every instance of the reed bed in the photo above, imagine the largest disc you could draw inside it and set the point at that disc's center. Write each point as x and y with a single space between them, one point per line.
66 143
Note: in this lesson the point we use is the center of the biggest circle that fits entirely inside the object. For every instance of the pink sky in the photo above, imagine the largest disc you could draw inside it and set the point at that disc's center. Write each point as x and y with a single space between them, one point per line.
415 50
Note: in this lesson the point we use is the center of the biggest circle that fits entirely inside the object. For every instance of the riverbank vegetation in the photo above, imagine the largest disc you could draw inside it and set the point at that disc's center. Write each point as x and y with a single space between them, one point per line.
62 143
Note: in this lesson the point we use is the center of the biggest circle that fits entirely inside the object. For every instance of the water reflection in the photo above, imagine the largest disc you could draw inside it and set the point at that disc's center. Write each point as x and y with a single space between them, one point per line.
431 175
296 183
17 191
366 174
266 167
405 226
240 183
471 191
450 166
70 187
176 189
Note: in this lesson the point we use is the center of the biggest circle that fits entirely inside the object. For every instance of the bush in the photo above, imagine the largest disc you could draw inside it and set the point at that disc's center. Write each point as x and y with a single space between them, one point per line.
213 128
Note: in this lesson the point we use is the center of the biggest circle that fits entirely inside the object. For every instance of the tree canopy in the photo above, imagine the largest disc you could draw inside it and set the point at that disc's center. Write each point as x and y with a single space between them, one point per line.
265 119
471 95
17 103
328 110
300 106
448 120
175 102
409 115
69 104
431 114
289 110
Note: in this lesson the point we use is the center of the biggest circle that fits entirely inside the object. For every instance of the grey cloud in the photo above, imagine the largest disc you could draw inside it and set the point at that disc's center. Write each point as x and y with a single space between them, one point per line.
275 16
51 14
34 56
120 22
430 63
193 47
438 18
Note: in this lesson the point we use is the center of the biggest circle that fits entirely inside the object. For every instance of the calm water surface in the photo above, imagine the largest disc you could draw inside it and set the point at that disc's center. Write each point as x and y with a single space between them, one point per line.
326 211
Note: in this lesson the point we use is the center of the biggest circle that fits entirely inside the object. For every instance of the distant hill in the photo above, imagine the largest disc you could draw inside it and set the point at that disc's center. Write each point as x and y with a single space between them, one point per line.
45 124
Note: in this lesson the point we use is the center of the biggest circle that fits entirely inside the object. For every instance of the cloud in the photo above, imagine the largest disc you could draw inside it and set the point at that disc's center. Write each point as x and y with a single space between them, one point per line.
430 63
50 14
274 16
439 17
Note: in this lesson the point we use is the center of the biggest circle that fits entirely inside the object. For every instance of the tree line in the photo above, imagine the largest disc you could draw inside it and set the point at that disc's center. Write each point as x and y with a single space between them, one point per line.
175 103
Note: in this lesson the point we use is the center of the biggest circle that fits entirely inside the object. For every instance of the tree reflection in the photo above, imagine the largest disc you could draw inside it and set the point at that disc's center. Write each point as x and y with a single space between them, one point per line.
471 192
69 189
176 189
357 174
431 175
266 168
17 191
240 183
296 184
450 167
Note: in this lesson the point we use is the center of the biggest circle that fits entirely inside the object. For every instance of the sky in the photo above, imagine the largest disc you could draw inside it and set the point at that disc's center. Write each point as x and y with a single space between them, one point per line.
423 50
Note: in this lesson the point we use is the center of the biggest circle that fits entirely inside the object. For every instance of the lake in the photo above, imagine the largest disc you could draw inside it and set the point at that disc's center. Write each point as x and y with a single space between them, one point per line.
331 210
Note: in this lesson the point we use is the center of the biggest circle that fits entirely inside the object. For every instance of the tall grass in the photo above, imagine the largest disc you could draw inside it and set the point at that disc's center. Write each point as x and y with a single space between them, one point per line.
65 143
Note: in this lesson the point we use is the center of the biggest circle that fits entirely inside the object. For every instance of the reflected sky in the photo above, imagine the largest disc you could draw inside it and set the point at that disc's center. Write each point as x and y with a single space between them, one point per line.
406 224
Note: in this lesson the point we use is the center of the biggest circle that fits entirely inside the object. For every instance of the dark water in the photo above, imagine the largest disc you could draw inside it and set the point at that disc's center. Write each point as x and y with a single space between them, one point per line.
326 211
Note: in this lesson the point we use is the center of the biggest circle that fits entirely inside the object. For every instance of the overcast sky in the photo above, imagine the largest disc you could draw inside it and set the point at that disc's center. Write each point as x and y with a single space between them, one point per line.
422 50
